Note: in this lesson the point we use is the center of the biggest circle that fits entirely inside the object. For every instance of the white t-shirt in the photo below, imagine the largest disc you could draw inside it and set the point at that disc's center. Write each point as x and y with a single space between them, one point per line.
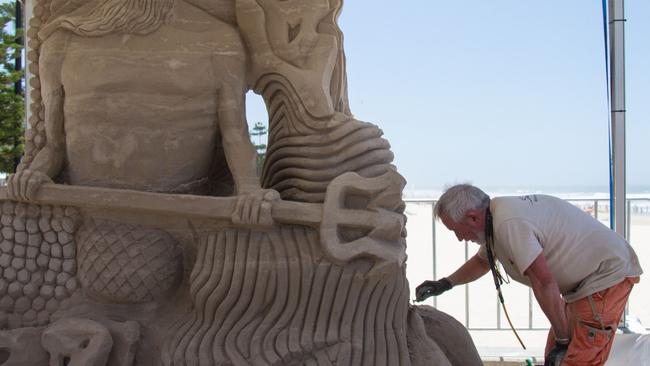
583 255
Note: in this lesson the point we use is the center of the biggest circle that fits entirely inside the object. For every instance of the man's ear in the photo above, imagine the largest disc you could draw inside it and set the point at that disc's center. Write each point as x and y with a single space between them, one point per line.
473 216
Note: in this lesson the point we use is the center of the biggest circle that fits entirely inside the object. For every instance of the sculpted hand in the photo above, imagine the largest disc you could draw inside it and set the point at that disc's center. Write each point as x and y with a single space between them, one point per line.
24 185
254 209
432 288
556 354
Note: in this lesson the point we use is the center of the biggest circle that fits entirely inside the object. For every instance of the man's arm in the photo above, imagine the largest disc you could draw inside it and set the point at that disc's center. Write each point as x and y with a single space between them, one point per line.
548 296
470 271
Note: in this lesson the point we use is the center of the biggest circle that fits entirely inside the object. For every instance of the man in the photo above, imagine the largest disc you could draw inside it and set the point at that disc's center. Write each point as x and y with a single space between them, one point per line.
580 271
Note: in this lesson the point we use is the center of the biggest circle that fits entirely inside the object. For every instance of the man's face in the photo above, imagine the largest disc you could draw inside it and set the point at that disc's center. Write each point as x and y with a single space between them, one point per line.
467 229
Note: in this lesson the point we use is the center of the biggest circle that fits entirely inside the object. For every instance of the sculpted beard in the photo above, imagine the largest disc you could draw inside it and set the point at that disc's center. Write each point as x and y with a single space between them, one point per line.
125 16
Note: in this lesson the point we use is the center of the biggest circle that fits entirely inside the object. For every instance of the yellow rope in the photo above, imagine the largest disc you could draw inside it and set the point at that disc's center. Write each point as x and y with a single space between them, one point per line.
503 305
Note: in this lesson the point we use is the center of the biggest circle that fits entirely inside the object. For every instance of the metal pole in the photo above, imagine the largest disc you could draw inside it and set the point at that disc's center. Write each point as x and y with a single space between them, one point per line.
435 249
466 289
617 85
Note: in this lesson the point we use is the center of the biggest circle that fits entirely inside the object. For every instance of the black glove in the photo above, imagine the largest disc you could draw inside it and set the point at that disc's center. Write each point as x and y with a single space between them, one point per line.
556 354
432 288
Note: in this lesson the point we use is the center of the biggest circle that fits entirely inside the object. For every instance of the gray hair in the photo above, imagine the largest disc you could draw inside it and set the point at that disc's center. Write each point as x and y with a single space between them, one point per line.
459 199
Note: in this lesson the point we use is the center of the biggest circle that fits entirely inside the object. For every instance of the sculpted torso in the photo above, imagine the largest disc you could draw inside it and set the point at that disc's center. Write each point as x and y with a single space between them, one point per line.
147 112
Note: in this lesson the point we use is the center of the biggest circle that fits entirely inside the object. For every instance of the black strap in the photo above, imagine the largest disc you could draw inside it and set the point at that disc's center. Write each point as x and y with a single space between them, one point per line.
496 275
489 245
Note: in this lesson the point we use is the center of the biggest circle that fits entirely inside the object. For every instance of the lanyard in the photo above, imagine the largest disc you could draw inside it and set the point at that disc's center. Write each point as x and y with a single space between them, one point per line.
496 275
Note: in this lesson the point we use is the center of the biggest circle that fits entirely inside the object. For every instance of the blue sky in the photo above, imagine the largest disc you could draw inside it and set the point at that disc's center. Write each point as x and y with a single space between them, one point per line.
504 93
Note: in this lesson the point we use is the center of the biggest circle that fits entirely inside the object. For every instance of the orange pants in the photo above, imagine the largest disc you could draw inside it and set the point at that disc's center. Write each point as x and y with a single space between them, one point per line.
593 321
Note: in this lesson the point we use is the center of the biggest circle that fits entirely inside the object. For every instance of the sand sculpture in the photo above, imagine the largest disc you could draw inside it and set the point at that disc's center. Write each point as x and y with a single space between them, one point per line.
136 232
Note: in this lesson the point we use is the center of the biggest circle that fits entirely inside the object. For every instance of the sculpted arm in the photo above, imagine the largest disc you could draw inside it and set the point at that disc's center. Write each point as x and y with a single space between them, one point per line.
239 150
254 204
48 162
231 114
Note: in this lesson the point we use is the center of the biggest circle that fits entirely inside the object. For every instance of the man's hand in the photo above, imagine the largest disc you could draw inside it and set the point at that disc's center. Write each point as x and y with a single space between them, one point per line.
24 185
556 354
432 288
